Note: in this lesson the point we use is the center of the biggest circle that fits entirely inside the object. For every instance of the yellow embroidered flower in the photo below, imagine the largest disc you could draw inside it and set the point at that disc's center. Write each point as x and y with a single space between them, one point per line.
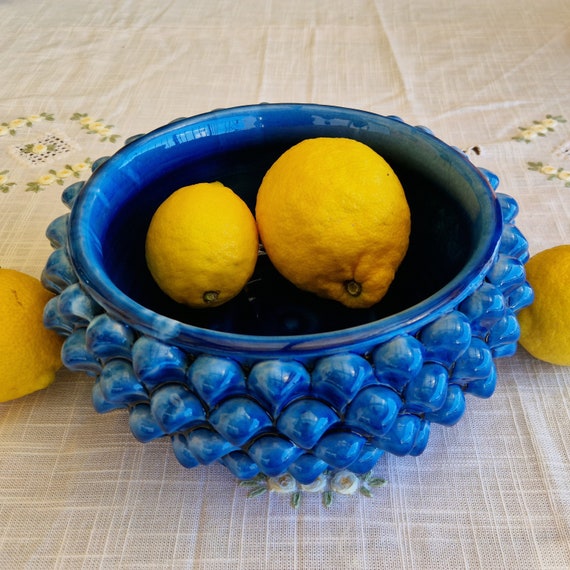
16 123
103 131
64 173
539 128
4 130
528 134
79 167
39 148
548 170
549 123
95 126
3 179
46 179
34 118
85 121
564 175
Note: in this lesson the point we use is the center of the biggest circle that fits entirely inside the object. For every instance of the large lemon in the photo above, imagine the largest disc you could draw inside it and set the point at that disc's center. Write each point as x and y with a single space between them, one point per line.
29 353
202 245
545 324
334 220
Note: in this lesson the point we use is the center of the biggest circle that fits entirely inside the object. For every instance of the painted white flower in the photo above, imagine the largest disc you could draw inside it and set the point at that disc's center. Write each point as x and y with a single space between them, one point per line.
564 175
345 483
317 486
46 179
39 148
64 173
4 130
80 167
548 170
283 484
16 123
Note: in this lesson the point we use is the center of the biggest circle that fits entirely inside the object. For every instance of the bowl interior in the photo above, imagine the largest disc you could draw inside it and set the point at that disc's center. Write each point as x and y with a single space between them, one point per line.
455 226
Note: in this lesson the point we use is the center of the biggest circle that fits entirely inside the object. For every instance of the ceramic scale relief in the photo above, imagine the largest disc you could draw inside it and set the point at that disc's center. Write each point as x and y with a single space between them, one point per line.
277 381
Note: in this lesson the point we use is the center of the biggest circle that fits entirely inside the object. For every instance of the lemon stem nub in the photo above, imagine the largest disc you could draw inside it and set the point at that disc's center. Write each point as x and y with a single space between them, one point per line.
353 288
210 296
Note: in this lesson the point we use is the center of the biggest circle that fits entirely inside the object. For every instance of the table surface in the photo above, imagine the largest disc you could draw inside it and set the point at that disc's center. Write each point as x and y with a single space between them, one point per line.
490 77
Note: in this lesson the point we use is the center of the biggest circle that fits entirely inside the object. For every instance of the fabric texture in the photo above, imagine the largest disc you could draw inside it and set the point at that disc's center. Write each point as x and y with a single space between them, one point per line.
78 78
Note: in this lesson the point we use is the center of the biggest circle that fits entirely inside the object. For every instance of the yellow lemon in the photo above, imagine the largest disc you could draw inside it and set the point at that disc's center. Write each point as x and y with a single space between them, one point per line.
29 353
202 245
334 220
545 325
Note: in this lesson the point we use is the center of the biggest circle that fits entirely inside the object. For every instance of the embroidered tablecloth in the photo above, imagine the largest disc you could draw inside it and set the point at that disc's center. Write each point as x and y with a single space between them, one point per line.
78 78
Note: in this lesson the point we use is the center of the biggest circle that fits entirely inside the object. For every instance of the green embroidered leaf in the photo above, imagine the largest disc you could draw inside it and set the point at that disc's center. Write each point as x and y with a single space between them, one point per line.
328 498
33 187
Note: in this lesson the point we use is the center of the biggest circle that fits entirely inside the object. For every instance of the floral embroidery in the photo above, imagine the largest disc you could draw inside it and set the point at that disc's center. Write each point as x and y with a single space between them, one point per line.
11 127
59 176
44 149
563 151
539 128
551 172
95 126
5 184
328 484
48 149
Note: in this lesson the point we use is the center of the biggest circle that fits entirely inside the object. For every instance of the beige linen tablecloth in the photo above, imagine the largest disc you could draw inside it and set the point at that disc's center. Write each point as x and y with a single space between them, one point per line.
77 78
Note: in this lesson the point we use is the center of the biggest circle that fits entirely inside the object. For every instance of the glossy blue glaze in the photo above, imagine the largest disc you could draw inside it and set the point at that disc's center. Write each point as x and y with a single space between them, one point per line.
277 381
239 420
175 408
155 362
307 468
306 420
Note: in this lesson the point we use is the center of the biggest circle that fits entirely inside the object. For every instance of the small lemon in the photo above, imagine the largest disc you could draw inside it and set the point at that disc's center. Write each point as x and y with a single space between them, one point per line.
202 245
29 353
334 220
545 324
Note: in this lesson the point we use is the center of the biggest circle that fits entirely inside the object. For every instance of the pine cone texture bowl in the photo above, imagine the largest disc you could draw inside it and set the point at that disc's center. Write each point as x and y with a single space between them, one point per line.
278 381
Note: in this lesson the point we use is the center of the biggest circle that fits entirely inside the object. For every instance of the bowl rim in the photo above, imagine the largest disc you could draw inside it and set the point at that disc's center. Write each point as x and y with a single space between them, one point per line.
86 257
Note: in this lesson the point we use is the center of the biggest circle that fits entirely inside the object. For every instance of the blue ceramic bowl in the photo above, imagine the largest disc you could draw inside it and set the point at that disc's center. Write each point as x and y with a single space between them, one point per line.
278 381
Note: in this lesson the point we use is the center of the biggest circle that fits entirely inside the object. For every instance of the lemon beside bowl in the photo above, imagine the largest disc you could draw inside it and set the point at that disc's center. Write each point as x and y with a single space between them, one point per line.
276 380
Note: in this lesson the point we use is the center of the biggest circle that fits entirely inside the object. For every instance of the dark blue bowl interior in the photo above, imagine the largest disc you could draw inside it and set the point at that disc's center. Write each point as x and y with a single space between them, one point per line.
454 218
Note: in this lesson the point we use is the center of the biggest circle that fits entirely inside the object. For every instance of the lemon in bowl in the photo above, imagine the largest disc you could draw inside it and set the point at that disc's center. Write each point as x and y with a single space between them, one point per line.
201 246
334 220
